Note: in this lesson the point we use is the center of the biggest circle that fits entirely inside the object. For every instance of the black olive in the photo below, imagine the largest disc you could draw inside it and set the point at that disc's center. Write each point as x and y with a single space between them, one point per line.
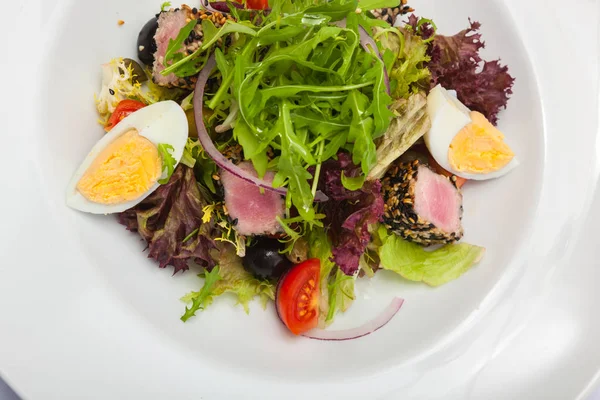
264 261
146 45
139 75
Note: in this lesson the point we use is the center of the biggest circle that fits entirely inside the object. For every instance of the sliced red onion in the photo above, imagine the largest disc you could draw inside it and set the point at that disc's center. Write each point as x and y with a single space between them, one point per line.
369 327
366 40
368 43
209 146
218 6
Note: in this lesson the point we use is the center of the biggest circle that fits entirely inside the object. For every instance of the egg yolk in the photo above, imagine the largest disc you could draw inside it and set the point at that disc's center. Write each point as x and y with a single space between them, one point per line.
123 171
479 147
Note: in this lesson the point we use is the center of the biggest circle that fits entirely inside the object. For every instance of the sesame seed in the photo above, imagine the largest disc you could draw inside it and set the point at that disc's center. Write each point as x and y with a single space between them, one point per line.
141 48
112 92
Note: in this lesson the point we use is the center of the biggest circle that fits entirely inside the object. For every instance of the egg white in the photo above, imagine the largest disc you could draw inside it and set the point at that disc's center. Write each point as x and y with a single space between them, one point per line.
448 117
163 122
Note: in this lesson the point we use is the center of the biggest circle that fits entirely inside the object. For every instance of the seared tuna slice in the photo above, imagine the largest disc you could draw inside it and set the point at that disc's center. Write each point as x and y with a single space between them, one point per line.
422 206
169 24
255 213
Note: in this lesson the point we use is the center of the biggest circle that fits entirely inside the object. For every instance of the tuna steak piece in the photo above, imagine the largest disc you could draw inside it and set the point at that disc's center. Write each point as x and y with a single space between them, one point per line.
422 206
255 212
169 24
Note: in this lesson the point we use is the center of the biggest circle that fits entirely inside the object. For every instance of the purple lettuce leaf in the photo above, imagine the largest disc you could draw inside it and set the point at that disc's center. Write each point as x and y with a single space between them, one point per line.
170 215
483 86
349 213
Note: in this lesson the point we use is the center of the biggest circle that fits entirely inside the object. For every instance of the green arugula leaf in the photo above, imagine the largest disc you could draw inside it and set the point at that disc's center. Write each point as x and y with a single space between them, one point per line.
365 5
227 75
369 23
300 89
182 65
268 37
254 149
361 130
211 34
290 164
165 6
336 9
202 298
175 45
168 162
379 108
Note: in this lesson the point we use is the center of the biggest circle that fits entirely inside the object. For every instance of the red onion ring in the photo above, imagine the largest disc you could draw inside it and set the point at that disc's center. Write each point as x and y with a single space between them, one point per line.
209 146
366 329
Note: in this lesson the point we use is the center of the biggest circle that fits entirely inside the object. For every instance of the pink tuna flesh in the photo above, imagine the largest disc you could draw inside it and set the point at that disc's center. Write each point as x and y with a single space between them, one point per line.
254 211
169 25
437 200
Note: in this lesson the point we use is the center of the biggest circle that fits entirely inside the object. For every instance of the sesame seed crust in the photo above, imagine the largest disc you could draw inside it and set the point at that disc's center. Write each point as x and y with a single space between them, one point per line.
399 214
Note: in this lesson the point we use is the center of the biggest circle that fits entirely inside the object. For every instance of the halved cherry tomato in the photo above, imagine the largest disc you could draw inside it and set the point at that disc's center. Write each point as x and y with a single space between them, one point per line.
257 4
438 168
298 296
124 108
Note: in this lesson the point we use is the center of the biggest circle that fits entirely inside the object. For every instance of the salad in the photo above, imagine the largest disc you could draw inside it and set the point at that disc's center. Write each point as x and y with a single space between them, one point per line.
288 148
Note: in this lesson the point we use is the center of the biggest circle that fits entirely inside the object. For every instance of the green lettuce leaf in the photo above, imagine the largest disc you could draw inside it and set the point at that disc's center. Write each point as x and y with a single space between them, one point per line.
435 267
337 288
352 183
405 55
232 278
204 167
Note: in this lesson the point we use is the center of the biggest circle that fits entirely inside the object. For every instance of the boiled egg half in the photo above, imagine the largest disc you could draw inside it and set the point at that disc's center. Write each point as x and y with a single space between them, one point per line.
464 142
124 167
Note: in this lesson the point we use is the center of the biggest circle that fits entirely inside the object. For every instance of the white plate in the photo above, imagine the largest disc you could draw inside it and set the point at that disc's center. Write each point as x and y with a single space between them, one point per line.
85 315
